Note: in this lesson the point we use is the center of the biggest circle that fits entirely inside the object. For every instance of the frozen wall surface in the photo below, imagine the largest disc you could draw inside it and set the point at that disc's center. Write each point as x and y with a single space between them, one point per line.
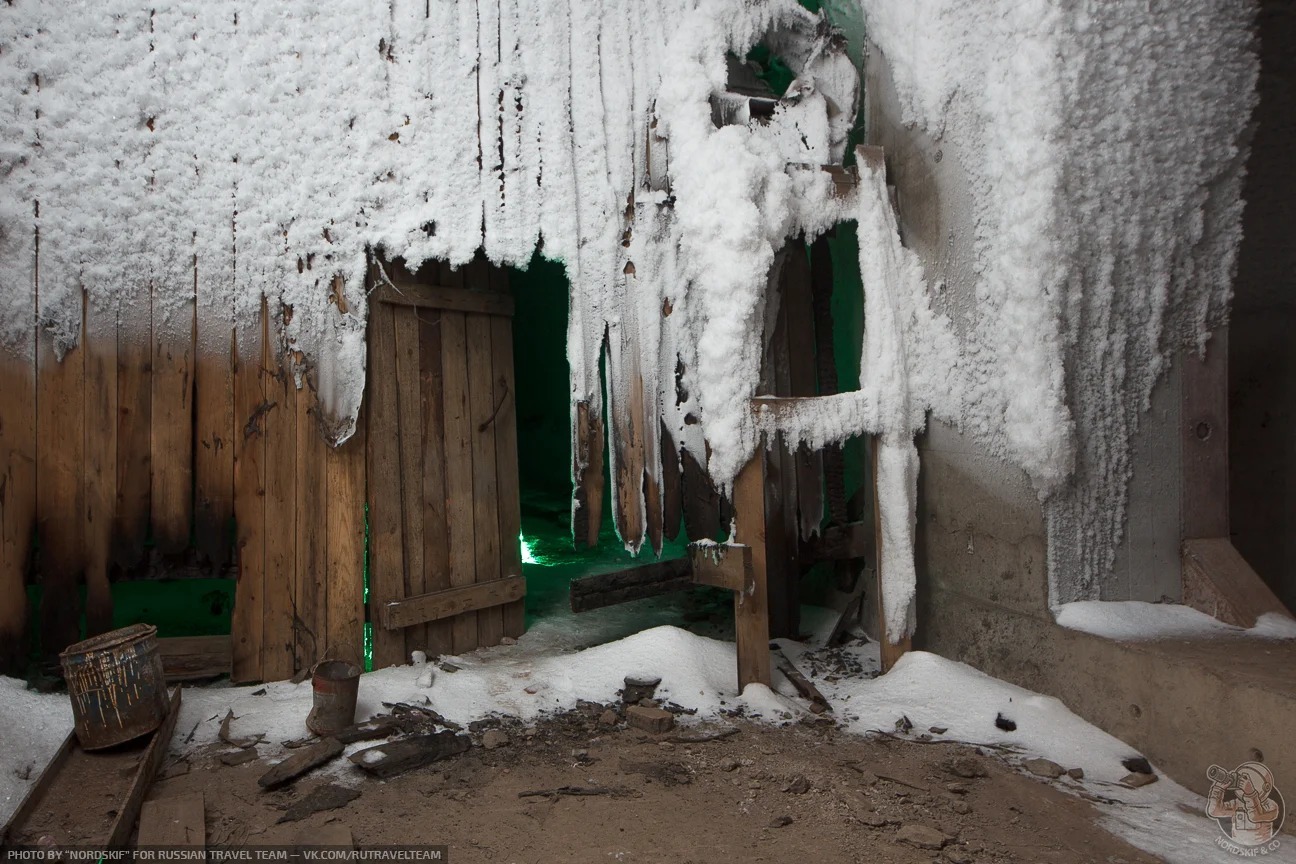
1103 144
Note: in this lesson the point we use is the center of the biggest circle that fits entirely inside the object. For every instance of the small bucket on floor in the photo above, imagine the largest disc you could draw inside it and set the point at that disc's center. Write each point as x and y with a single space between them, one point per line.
335 684
117 686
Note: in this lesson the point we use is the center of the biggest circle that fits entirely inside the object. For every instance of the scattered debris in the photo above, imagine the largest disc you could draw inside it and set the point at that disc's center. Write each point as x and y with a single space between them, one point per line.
239 757
961 807
615 791
177 768
876 820
938 730
1137 765
609 718
967 767
781 821
242 743
904 725
637 689
494 738
729 764
922 836
703 737
957 856
330 796
1075 773
1044 768
798 785
667 773
306 759
396 757
447 667
818 704
1005 724
916 786
655 720
1137 780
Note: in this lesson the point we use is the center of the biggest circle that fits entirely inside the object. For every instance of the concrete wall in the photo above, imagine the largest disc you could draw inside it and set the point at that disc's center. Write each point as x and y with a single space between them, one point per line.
1262 350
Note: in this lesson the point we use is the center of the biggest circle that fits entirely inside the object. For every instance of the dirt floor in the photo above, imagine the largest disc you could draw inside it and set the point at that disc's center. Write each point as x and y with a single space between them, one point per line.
803 793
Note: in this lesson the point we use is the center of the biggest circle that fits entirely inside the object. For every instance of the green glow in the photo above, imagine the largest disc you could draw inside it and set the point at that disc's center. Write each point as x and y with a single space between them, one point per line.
528 557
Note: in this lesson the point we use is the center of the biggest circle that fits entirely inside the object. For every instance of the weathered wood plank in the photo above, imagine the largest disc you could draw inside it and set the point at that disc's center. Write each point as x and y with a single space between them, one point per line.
1204 389
439 605
188 658
780 473
17 470
721 565
213 426
346 546
60 495
148 767
701 500
587 518
751 606
172 417
250 407
798 309
387 562
445 297
821 284
486 524
278 643
672 485
436 549
1218 581
853 540
506 469
100 459
134 430
628 445
409 412
635 583
173 822
312 585
459 434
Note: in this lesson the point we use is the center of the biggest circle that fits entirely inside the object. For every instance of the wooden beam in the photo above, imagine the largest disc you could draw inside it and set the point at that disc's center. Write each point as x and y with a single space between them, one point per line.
635 583
721 565
453 601
1217 580
587 519
445 297
187 658
751 606
1204 392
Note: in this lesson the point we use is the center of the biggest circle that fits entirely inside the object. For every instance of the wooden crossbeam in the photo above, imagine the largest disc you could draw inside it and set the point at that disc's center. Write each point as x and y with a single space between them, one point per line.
721 565
437 605
635 583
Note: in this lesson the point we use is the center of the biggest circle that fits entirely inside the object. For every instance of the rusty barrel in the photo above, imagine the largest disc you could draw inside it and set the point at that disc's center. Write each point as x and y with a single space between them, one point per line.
117 686
335 685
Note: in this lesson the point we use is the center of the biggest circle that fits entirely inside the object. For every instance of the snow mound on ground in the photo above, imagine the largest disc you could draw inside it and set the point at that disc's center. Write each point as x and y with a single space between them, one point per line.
34 726
1132 621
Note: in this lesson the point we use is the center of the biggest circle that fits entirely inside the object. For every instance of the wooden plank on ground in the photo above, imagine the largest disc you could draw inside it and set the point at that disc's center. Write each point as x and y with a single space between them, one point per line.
346 546
440 605
250 407
60 495
189 658
172 415
436 549
100 459
588 470
386 553
134 428
506 469
17 467
751 606
459 433
484 408
148 766
311 587
173 822
636 583
409 413
1217 580
278 642
213 428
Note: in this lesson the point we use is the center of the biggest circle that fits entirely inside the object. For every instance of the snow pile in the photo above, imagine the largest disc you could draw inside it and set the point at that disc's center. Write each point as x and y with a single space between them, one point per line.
1131 620
1103 146
35 725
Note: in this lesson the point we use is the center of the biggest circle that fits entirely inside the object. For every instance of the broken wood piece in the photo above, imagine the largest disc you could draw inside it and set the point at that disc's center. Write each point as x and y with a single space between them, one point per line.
702 737
242 743
330 796
239 757
721 565
635 583
801 683
397 757
575 790
170 821
299 763
439 605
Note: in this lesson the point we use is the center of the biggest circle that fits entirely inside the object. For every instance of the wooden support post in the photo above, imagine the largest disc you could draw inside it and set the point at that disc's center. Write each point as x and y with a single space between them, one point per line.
891 649
751 606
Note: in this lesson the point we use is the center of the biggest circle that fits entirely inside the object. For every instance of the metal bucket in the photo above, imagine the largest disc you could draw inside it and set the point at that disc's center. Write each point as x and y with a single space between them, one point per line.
335 684
117 686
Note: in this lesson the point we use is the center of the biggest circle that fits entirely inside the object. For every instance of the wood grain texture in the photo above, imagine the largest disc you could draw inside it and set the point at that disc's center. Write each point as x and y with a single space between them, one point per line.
409 412
1204 384
278 642
313 586
751 607
460 531
173 822
436 549
100 460
347 493
482 406
387 563
134 430
1219 582
172 417
587 515
250 407
506 469
701 500
214 435
439 605
445 298
672 485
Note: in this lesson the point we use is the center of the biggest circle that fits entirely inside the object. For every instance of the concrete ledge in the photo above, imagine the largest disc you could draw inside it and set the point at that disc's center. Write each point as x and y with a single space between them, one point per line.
1184 704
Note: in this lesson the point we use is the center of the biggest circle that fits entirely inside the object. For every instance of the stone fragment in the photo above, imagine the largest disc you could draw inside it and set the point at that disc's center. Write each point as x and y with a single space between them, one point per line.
1044 768
655 720
637 688
494 738
922 836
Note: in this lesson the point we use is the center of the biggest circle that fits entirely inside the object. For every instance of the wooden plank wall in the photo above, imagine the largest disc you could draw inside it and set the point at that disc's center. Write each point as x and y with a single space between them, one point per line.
174 439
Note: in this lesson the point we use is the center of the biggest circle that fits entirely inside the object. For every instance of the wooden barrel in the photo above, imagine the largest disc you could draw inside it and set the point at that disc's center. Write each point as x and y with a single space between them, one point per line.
117 686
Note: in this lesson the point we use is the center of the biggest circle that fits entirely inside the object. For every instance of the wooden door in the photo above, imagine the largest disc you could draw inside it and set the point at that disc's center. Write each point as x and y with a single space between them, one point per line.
445 566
